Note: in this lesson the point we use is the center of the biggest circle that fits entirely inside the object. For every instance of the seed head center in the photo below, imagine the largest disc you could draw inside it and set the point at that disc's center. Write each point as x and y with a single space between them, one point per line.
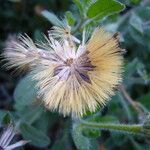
69 61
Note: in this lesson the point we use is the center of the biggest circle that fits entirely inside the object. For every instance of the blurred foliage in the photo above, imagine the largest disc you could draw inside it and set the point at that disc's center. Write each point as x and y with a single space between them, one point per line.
47 130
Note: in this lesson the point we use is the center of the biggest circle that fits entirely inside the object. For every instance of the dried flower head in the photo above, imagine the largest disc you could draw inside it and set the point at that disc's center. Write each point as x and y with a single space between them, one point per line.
20 51
63 32
72 77
7 137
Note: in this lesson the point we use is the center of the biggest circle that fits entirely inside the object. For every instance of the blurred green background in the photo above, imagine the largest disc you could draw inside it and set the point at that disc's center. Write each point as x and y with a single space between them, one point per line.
51 131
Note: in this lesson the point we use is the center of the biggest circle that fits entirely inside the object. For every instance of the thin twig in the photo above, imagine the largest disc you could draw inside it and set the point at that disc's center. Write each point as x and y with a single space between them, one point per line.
134 104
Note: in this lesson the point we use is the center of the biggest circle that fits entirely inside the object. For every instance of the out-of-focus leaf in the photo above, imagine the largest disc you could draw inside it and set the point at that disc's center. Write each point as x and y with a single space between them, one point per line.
103 8
138 68
59 144
15 1
37 137
51 17
64 143
48 119
144 12
145 100
82 142
25 92
78 3
136 23
130 69
7 119
115 139
136 36
70 18
2 115
135 1
137 146
113 106
30 114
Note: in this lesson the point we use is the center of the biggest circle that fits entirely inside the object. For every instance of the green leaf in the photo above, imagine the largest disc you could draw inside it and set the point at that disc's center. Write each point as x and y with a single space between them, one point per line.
37 137
145 100
136 145
30 114
144 12
25 92
78 3
130 69
2 115
64 142
135 1
7 119
137 37
70 18
133 68
82 142
136 23
103 8
52 18
116 139
48 120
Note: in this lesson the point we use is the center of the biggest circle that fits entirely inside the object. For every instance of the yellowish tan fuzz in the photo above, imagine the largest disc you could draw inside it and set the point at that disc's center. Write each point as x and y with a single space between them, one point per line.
72 77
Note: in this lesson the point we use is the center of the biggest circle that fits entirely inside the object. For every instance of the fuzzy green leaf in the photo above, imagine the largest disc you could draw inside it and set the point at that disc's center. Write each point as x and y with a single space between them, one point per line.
25 92
145 100
31 114
82 142
37 137
103 8
136 23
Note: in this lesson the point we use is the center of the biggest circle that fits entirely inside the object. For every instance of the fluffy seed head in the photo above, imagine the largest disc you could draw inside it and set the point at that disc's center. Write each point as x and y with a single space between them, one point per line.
71 77
20 52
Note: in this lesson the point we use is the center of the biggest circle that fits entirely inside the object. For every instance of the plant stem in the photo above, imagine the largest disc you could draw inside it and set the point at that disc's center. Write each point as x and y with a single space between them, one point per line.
78 26
131 129
134 104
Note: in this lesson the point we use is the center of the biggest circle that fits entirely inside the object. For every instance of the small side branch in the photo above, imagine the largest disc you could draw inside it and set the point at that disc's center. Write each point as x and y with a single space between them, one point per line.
136 105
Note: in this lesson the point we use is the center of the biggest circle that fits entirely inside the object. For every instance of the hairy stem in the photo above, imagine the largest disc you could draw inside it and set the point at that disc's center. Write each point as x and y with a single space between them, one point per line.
124 128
